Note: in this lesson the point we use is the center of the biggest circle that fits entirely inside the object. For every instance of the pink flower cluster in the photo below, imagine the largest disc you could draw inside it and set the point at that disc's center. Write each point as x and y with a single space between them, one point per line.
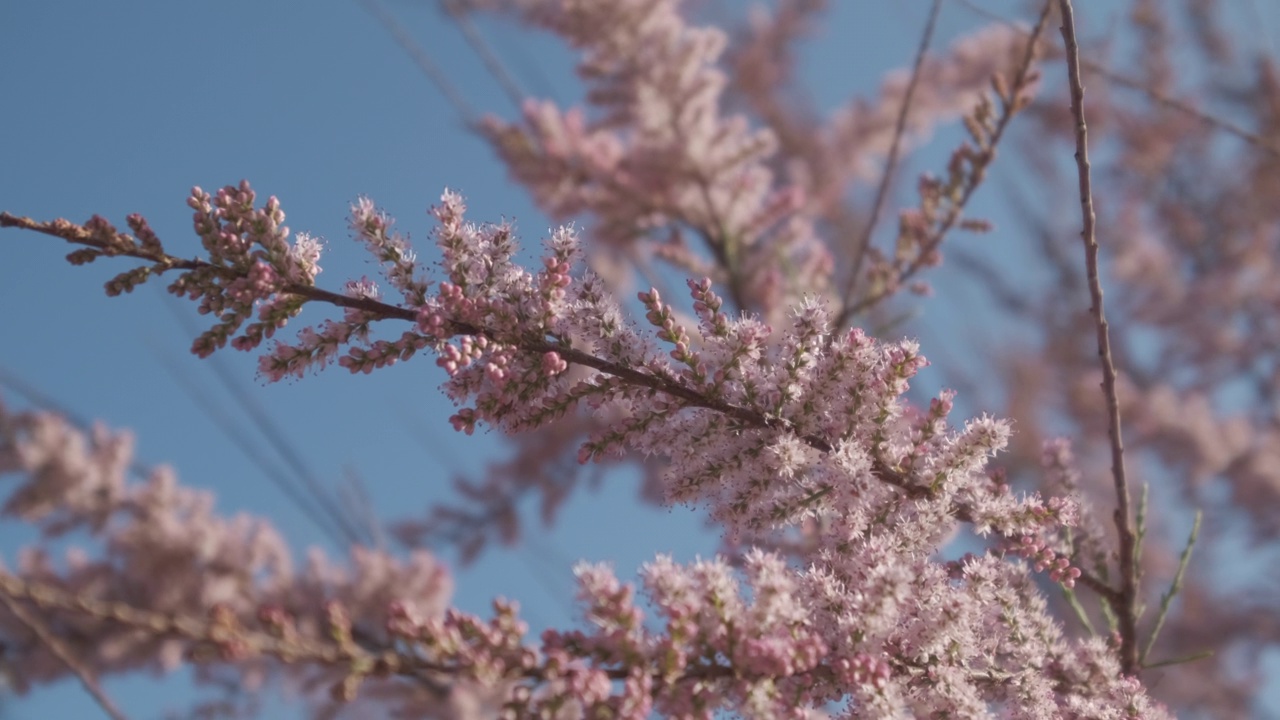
167 558
731 176
250 260
766 428
659 162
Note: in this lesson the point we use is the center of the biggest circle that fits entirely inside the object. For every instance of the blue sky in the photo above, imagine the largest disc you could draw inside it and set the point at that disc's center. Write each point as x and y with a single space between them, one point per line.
115 108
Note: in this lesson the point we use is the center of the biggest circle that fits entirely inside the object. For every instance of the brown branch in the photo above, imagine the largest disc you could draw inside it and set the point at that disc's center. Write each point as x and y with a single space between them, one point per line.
1126 605
1105 591
60 651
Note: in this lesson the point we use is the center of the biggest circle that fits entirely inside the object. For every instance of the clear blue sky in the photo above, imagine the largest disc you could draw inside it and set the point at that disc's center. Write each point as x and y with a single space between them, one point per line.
121 107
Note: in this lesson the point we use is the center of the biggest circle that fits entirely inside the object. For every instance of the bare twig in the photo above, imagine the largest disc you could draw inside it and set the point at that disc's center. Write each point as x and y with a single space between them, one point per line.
1203 654
62 652
420 58
1125 606
891 162
1073 601
1140 536
301 488
1155 95
1181 106
491 61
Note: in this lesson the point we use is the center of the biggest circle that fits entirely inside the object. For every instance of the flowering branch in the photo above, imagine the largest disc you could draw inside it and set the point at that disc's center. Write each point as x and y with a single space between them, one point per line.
10 593
891 161
943 203
690 389
758 425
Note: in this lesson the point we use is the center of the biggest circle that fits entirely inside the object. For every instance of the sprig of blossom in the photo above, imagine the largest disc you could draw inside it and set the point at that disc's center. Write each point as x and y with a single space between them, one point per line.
654 158
764 427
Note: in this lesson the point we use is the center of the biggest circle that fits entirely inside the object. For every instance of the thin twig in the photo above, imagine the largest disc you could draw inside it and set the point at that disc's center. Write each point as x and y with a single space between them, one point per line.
1182 660
891 162
1140 536
420 58
1011 106
304 478
314 501
1073 601
62 652
1174 588
1181 106
1160 98
491 61
1099 586
1127 602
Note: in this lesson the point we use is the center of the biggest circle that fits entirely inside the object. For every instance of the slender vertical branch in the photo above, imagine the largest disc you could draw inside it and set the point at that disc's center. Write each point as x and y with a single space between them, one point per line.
63 653
1125 605
491 61
891 162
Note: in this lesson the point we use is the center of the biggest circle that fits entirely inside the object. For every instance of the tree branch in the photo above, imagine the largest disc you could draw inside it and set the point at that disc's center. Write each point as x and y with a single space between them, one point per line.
1126 605
123 245
891 162
60 651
